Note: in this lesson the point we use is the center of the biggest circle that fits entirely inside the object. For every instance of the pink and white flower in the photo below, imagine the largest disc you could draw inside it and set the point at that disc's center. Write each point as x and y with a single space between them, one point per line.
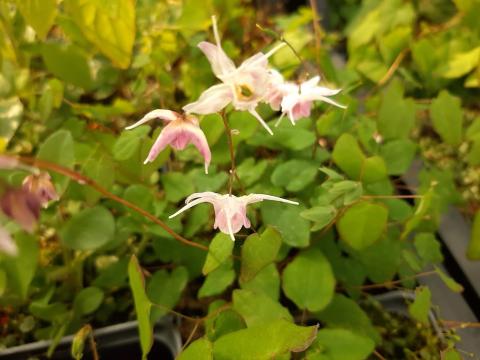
180 131
298 100
244 86
230 210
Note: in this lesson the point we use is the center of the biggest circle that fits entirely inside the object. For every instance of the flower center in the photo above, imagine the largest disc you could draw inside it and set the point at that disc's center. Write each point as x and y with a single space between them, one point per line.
244 92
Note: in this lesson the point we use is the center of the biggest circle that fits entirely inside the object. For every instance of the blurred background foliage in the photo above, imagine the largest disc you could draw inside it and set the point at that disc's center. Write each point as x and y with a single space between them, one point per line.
74 73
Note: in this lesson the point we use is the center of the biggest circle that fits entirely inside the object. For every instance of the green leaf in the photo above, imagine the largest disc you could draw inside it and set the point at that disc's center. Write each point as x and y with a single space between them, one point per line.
218 280
461 64
165 289
447 117
396 116
294 175
451 283
88 300
109 25
58 148
421 210
345 313
362 224
267 281
428 248
11 111
177 186
294 233
142 305
21 269
258 252
320 215
373 169
340 344
128 143
309 281
258 308
348 156
219 251
250 171
264 342
39 14
222 321
200 349
420 307
473 250
398 155
89 229
68 63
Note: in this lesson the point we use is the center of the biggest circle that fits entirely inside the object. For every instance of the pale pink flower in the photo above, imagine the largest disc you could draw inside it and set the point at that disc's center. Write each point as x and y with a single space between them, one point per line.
244 86
41 186
180 131
230 211
7 162
298 99
7 245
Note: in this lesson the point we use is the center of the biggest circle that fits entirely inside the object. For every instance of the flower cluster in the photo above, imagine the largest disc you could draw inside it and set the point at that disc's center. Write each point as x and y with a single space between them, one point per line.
23 204
244 87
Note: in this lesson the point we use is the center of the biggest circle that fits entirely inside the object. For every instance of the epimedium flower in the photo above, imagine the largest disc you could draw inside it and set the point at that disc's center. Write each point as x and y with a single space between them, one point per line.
180 131
297 100
245 87
21 206
40 184
230 210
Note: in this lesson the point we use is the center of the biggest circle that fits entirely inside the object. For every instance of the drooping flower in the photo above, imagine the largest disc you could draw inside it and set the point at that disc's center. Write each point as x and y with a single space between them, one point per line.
230 210
21 206
244 86
41 185
180 131
297 100
7 245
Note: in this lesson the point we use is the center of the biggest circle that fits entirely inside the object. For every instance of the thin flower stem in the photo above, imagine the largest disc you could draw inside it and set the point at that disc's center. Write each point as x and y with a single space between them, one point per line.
453 324
93 345
395 282
192 334
392 196
233 167
84 180
378 355
316 30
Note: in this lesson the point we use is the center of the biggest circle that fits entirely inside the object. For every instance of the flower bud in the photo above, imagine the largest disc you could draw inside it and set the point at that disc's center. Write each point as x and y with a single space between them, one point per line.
41 186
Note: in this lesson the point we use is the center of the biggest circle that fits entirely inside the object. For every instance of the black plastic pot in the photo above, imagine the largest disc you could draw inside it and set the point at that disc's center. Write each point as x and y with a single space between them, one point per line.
113 342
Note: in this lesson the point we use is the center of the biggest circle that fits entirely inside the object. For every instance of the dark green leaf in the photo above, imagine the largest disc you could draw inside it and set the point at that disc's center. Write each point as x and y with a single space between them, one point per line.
89 229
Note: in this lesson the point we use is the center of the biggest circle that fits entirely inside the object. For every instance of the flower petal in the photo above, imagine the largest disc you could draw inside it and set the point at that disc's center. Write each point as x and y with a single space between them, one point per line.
220 62
167 115
166 136
199 140
211 101
254 198
202 194
261 121
191 204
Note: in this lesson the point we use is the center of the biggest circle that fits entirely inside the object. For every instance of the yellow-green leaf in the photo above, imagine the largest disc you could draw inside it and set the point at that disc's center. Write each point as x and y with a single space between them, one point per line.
142 305
109 25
